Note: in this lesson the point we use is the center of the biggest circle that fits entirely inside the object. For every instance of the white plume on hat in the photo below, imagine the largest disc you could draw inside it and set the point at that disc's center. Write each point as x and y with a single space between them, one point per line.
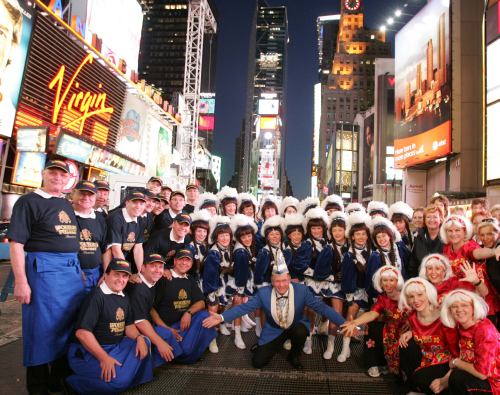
289 201
280 267
202 215
294 220
217 221
308 202
401 208
204 198
381 221
241 221
269 198
246 197
227 192
338 215
357 217
353 207
272 222
332 199
315 213
375 205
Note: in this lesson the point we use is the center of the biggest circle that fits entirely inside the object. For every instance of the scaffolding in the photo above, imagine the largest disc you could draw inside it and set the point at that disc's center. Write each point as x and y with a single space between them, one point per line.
200 21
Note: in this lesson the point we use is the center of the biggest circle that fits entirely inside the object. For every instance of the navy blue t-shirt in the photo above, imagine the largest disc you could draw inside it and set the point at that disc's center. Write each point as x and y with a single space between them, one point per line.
44 225
141 300
127 234
92 239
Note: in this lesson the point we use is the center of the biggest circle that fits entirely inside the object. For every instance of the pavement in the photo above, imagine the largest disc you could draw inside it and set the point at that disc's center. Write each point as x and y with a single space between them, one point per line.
228 372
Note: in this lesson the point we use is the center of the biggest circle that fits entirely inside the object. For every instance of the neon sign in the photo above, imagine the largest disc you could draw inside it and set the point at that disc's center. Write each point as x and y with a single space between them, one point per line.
84 104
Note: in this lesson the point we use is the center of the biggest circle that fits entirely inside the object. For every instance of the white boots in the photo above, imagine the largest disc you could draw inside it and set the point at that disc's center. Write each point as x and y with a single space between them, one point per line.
308 345
330 347
238 341
346 350
223 330
212 347
258 326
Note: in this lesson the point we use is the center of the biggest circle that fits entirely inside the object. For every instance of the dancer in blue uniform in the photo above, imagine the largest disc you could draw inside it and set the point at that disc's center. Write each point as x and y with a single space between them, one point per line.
401 214
207 201
228 198
47 277
297 252
247 205
199 245
268 208
332 204
111 355
288 206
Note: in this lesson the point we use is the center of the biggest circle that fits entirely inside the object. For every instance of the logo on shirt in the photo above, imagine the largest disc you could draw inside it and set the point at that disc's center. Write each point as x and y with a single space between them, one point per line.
64 217
182 294
131 237
85 235
120 314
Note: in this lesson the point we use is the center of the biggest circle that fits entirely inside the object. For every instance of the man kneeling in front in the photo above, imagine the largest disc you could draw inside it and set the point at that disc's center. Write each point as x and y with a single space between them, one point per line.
180 307
112 355
283 303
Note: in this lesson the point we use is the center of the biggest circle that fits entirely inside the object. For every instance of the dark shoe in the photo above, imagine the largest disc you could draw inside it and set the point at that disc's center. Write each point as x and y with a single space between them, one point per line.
294 361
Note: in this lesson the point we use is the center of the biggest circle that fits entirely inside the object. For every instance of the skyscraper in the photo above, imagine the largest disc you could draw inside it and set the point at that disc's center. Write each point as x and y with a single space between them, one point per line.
263 170
327 27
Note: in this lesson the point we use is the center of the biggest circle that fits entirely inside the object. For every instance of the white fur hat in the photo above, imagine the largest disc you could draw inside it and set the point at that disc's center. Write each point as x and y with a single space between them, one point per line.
333 199
268 198
307 204
218 221
246 197
356 218
227 192
242 221
316 213
354 207
401 208
272 222
289 201
202 215
293 220
375 206
458 220
206 198
375 222
338 216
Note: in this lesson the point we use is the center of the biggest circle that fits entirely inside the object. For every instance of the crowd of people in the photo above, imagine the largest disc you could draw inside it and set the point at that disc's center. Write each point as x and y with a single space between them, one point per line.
109 294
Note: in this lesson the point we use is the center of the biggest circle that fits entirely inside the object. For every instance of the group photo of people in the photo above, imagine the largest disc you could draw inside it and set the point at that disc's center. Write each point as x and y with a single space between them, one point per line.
109 294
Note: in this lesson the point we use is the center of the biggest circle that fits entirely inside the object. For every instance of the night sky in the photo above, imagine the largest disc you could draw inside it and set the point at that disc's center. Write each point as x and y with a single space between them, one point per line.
235 17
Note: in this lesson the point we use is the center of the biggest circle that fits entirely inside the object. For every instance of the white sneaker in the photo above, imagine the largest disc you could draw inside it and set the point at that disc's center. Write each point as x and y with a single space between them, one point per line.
308 346
374 371
248 321
223 330
212 347
238 342
329 348
344 355
323 328
287 345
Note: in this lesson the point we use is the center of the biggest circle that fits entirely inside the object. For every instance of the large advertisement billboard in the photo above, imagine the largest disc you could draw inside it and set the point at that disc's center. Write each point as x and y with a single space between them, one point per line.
131 125
423 87
15 33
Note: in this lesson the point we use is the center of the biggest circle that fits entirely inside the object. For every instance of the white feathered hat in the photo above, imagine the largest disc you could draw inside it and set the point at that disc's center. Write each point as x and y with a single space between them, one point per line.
316 213
333 200
206 199
217 222
401 208
289 201
293 221
375 207
338 216
307 204
272 222
356 218
242 221
200 216
376 222
354 207
247 197
268 198
227 192
458 220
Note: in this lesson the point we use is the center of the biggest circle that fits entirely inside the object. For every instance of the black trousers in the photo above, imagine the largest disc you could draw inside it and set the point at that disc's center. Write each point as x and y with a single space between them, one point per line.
47 377
263 354
374 345
461 382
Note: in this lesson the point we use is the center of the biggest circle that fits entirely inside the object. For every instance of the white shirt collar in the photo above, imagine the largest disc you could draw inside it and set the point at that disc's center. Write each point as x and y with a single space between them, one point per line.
172 214
179 241
83 215
149 285
177 275
107 291
127 217
46 195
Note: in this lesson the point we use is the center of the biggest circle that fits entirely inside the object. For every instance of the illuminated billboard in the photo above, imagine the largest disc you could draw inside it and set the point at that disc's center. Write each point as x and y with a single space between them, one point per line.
423 87
268 123
15 33
268 107
28 168
207 106
132 122
206 122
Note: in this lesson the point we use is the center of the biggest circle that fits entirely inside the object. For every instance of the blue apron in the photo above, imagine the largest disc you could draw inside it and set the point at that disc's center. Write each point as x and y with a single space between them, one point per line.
87 377
57 290
169 337
92 277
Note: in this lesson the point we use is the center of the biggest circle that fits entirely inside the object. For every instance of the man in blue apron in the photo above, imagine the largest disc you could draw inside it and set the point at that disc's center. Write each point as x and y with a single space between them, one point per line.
48 279
91 233
111 355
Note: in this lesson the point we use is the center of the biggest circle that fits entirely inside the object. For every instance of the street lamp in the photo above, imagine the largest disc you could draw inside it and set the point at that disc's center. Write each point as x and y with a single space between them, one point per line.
398 13
382 28
390 21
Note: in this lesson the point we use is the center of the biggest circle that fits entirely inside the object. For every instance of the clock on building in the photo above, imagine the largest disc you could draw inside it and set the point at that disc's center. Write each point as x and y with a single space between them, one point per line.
352 5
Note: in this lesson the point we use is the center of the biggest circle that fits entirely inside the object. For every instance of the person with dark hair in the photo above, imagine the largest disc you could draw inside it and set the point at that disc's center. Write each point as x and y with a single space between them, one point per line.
228 198
417 220
401 214
268 208
297 252
200 229
307 204
247 205
479 205
376 208
354 281
192 195
288 206
218 270
154 185
102 197
332 203
146 220
177 201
